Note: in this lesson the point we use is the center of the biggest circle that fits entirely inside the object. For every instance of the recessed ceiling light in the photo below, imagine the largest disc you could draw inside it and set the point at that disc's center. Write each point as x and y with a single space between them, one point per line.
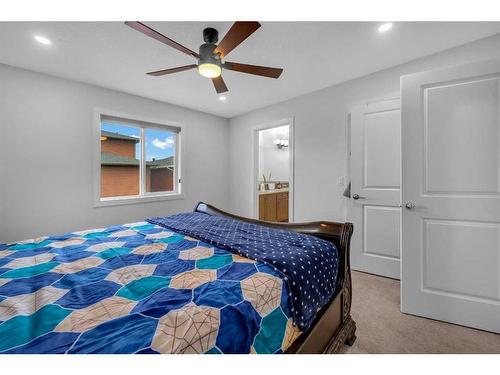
42 40
222 98
385 27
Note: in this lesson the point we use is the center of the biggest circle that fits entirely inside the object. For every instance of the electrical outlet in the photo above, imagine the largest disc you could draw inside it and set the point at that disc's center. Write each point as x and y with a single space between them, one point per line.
340 181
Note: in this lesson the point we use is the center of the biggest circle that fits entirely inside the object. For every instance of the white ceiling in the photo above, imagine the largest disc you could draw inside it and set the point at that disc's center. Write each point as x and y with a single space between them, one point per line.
314 55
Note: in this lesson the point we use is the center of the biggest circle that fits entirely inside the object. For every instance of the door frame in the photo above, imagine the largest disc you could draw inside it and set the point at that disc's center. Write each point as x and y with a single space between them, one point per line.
291 168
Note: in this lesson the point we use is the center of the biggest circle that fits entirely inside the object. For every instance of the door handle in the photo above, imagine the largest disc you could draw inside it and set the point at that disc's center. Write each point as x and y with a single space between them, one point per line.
408 205
357 196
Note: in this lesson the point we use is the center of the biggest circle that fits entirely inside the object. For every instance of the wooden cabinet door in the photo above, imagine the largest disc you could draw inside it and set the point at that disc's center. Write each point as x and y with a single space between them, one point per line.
262 207
282 207
270 207
273 207
267 207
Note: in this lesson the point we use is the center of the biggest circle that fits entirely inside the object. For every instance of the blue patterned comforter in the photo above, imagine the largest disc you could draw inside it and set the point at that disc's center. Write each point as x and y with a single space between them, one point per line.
308 265
138 288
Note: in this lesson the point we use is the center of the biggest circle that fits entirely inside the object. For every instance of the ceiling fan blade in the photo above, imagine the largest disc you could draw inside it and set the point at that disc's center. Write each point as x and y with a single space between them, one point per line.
172 70
220 85
254 69
236 34
139 26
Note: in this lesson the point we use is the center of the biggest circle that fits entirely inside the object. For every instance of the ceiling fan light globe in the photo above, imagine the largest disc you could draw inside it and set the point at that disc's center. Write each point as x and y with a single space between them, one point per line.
209 70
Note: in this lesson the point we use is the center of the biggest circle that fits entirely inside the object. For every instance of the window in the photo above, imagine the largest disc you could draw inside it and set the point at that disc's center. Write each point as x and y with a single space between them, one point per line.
137 160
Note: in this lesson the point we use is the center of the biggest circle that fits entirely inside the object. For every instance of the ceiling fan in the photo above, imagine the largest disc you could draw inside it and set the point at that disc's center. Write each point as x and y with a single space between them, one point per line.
211 55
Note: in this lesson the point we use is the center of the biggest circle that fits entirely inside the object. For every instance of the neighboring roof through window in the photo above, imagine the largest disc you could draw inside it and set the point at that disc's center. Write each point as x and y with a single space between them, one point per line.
118 136
107 158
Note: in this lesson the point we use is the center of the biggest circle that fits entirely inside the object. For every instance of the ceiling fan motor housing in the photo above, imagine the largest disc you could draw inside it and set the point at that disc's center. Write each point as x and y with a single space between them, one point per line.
210 35
207 54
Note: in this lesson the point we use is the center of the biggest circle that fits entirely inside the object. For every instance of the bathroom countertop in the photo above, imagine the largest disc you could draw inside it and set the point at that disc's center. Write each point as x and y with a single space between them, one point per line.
283 190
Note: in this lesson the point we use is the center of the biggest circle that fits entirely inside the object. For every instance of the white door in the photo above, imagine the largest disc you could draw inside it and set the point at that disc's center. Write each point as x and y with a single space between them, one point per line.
451 181
375 187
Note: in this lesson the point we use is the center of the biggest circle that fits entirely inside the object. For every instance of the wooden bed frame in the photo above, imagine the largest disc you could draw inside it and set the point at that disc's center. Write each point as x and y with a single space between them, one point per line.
333 326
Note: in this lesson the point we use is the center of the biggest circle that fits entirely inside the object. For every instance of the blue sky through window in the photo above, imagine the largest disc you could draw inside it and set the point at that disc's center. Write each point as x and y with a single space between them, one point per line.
160 144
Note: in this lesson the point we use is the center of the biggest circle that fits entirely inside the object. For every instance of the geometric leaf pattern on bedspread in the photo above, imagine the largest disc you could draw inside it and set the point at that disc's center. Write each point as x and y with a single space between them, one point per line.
138 288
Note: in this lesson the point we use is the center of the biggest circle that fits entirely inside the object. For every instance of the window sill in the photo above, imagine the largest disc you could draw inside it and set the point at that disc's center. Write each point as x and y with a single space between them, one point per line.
105 202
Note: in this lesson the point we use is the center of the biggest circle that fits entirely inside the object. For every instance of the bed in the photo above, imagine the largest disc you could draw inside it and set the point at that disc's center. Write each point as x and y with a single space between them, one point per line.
201 282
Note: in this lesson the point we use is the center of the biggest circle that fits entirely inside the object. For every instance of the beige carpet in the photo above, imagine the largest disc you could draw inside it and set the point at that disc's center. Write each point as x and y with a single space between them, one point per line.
382 328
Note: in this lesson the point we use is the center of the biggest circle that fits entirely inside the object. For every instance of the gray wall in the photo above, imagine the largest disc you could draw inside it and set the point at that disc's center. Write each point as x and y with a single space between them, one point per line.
46 155
320 133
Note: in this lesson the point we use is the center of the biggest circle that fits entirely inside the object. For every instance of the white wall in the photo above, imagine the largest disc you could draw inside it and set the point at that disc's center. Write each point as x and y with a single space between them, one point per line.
46 155
272 159
320 127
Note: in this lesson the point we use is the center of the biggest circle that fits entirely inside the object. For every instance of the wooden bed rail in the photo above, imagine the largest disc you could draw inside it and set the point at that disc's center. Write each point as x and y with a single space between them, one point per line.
333 325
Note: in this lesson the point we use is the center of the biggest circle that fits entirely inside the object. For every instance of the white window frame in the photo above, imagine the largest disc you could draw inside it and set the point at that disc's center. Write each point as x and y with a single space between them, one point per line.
140 122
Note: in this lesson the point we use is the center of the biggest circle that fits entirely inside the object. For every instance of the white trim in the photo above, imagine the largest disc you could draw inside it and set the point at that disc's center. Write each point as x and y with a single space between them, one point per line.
179 156
144 197
291 149
117 201
140 121
347 174
142 169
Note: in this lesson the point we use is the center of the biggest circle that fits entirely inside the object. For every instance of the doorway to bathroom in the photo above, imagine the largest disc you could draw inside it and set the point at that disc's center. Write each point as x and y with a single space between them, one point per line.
273 171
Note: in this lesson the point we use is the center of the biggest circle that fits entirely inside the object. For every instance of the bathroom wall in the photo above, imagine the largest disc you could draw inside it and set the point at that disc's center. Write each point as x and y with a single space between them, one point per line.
272 159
